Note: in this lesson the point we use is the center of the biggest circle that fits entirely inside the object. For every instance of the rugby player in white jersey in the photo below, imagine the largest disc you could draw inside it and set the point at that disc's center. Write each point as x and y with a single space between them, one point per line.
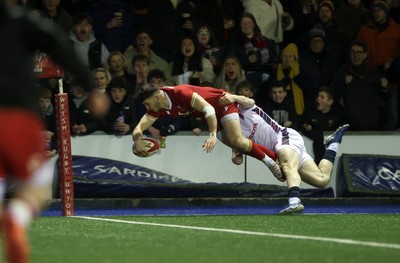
296 164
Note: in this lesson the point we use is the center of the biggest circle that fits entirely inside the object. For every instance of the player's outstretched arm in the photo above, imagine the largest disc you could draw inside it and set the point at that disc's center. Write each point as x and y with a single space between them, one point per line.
202 105
229 98
145 122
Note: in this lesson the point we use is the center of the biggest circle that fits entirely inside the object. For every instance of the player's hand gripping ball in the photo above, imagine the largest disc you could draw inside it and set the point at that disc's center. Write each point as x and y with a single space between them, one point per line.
152 147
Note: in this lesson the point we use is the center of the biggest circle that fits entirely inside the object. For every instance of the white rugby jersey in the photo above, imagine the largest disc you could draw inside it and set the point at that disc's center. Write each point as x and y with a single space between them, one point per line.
261 128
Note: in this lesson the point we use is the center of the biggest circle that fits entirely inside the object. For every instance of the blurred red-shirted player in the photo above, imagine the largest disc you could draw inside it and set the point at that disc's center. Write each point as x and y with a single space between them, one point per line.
22 141
184 100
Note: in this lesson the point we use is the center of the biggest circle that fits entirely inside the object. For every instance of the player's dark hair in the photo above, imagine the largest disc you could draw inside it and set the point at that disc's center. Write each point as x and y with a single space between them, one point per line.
146 91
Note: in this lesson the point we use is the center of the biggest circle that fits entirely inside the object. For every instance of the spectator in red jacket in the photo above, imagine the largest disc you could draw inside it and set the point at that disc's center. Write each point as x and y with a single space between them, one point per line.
383 38
382 35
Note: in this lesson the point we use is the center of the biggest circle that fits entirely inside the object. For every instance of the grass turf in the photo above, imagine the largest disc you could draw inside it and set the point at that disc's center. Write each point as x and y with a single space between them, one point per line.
65 239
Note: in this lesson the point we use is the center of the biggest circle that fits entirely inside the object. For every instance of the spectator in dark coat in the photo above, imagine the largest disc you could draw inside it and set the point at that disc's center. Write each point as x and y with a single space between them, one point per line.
327 116
318 62
82 120
55 12
281 107
122 116
113 23
221 16
170 24
359 86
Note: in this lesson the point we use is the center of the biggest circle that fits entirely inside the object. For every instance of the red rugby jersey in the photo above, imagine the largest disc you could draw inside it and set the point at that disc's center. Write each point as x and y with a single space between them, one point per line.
182 98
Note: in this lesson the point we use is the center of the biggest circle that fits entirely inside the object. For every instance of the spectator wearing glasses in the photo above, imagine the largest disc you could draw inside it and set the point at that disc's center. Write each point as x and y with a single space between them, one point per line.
359 86
208 46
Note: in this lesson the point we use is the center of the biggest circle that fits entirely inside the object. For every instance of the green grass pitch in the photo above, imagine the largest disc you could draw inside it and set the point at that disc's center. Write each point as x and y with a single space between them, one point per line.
254 238
244 238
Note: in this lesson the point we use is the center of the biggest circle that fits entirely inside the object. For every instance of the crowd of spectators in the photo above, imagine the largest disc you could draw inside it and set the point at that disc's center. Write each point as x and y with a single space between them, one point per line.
300 60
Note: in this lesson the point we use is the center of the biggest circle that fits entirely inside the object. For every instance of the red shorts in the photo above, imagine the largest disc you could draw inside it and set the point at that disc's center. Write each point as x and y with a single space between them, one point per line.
22 143
225 112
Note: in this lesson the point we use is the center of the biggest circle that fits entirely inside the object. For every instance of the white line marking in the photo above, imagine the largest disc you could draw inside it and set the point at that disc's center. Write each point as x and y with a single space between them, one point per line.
244 232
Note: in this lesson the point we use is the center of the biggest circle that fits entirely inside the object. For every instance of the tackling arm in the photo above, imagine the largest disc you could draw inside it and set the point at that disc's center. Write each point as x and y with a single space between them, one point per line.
244 101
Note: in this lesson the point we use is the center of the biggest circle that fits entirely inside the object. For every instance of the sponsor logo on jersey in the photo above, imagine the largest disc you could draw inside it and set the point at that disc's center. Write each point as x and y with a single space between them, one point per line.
253 130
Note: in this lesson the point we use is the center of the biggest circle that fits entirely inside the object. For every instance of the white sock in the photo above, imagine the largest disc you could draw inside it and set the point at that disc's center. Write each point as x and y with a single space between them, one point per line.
333 146
20 211
294 201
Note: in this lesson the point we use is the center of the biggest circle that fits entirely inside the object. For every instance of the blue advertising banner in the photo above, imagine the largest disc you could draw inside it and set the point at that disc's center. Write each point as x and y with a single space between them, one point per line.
105 178
372 174
106 170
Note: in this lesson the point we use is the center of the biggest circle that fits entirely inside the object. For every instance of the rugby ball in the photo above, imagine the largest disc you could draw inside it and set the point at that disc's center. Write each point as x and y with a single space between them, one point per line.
152 146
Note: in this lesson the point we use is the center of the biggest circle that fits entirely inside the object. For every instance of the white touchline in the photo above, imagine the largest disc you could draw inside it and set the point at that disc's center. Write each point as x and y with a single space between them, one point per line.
244 232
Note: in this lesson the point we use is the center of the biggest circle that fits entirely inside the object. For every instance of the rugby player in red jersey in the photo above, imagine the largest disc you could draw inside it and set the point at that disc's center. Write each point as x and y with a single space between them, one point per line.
22 143
184 100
